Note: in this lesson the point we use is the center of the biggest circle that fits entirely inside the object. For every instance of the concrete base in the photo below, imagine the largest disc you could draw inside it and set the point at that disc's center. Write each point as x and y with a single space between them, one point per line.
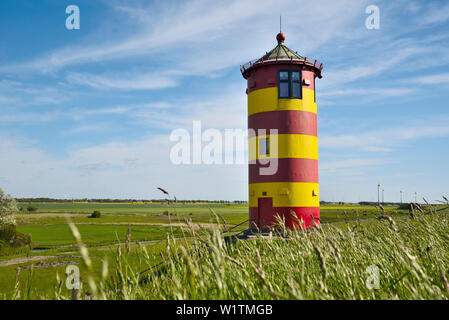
251 234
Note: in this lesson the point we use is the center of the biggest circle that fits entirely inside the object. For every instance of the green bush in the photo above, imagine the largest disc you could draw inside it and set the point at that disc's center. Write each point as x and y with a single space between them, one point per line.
95 214
32 208
405 206
9 234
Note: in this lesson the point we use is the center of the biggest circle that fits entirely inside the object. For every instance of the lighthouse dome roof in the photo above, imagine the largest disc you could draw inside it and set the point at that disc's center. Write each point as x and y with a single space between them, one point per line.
281 54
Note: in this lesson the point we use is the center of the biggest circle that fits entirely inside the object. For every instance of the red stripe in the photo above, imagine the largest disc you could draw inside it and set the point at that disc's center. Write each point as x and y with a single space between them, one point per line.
268 218
288 170
267 77
285 121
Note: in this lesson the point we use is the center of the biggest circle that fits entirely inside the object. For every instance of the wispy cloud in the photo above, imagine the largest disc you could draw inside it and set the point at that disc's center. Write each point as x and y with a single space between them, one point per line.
152 81
16 93
174 33
432 79
435 13
95 166
29 117
386 137
381 92
351 163
369 68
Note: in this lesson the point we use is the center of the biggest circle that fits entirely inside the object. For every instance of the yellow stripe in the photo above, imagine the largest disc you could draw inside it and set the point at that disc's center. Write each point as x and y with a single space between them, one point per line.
263 100
285 146
285 194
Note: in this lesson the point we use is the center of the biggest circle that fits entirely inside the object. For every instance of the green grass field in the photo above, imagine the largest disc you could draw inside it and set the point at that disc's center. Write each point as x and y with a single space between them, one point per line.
151 224
51 236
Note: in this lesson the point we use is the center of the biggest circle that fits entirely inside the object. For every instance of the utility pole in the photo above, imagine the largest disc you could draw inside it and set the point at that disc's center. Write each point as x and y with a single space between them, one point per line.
415 196
401 195
378 194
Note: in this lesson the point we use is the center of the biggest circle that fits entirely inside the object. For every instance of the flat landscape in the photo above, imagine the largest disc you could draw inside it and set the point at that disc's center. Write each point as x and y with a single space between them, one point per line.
39 272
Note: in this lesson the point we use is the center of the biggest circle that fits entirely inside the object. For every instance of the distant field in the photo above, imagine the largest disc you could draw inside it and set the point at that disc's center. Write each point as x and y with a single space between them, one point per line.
48 225
128 208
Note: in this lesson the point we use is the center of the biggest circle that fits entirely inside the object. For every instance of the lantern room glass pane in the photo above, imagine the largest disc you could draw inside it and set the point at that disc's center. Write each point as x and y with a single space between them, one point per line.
296 90
283 76
283 90
296 76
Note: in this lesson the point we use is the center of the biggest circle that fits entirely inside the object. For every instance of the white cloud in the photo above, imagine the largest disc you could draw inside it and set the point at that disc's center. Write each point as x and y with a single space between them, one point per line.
432 79
435 13
385 138
364 68
117 170
382 92
95 166
30 117
108 82
16 93
227 110
351 163
225 36
89 128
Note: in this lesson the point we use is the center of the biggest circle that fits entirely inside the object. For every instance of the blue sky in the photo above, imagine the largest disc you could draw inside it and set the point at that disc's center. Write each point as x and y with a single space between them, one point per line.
88 112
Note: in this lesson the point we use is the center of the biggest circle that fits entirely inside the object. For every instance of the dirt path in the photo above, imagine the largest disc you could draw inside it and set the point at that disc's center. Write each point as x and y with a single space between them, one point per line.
161 224
25 260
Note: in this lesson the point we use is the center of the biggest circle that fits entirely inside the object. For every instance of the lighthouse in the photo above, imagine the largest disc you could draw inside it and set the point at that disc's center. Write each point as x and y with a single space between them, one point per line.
282 139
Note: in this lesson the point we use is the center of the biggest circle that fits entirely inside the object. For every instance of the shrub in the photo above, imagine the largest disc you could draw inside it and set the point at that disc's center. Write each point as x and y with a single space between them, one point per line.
32 208
405 206
95 214
9 234
8 208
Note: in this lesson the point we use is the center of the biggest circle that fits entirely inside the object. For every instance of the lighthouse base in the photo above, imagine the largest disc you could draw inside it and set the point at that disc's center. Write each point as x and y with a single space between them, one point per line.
253 234
293 218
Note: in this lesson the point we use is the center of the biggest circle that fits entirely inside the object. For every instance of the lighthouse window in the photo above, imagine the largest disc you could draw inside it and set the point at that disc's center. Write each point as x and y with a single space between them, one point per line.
296 76
290 84
296 90
296 84
283 90
284 84
283 76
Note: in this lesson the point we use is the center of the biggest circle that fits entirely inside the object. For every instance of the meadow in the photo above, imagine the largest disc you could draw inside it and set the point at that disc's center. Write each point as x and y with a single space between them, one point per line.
173 246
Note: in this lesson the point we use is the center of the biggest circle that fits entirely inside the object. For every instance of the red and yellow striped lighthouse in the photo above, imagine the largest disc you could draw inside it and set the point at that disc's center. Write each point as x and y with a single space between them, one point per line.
283 142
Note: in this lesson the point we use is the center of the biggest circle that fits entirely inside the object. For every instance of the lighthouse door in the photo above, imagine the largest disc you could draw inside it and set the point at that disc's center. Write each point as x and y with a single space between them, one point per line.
265 212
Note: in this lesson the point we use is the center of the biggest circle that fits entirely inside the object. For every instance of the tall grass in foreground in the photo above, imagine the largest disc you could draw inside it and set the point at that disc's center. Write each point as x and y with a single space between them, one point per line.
411 254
